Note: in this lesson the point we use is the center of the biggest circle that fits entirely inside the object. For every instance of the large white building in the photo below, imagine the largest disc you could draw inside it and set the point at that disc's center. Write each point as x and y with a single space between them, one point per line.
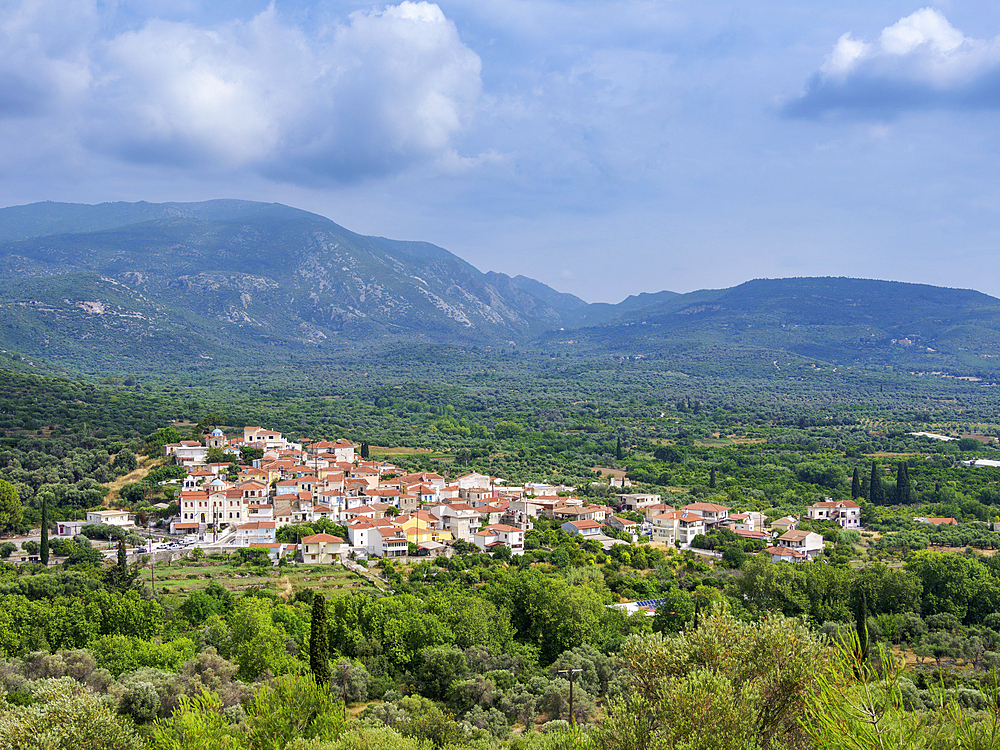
676 526
847 513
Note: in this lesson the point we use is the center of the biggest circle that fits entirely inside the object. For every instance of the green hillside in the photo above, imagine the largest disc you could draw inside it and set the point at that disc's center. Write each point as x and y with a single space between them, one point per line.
837 320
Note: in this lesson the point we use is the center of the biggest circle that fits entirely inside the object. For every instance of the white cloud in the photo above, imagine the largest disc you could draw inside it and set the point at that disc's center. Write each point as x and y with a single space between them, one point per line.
921 61
369 96
925 27
43 54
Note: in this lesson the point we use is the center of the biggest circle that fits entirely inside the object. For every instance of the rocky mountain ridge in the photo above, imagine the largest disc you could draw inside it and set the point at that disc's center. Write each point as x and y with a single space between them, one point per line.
142 284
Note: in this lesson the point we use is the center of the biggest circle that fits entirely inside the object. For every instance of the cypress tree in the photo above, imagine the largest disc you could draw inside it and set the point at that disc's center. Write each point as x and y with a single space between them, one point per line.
711 478
364 450
618 450
856 484
903 494
875 486
861 624
122 561
319 643
45 530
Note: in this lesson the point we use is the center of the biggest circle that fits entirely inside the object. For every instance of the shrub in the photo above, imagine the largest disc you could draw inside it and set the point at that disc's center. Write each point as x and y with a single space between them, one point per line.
141 702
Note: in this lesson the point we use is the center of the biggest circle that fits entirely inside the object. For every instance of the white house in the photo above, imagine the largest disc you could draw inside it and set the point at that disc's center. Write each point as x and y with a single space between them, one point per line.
498 535
109 517
623 524
750 521
255 532
712 513
468 481
69 528
847 513
460 519
585 528
785 554
676 526
186 452
637 502
799 540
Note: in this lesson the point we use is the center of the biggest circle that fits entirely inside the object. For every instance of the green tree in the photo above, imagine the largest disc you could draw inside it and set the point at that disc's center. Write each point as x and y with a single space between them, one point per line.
903 491
292 707
674 612
319 642
198 723
65 716
437 668
133 493
125 461
951 583
861 625
10 507
122 576
669 453
252 637
44 551
856 484
216 456
714 676
875 486
248 454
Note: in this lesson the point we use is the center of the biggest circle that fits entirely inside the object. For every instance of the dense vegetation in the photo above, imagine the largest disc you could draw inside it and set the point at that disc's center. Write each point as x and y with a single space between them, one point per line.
473 650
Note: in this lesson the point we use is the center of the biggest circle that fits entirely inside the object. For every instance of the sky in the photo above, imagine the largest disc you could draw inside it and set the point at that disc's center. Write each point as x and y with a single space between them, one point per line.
605 148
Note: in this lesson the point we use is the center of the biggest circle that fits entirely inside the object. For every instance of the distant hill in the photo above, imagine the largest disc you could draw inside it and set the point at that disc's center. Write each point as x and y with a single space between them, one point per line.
838 320
126 286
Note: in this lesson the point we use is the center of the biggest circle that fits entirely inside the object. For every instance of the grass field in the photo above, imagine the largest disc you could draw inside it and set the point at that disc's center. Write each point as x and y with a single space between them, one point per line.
181 579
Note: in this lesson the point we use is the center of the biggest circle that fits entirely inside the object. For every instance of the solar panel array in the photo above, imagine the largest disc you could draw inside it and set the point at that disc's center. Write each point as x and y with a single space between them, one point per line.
651 603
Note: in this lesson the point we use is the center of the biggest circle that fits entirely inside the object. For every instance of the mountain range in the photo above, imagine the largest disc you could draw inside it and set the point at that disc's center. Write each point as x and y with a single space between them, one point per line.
118 286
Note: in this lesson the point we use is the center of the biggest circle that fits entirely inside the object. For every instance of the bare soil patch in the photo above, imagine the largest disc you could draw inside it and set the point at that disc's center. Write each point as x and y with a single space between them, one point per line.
146 465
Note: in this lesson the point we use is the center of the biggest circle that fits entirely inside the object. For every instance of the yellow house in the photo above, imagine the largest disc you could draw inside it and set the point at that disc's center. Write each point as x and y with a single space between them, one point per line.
418 528
323 549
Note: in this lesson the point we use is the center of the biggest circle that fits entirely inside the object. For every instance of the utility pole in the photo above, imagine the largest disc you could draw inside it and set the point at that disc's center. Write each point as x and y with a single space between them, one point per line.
571 672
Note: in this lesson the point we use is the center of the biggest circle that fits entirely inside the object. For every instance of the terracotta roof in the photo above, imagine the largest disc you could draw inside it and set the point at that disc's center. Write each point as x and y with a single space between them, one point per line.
504 529
706 507
752 534
784 552
796 535
683 515
585 524
322 538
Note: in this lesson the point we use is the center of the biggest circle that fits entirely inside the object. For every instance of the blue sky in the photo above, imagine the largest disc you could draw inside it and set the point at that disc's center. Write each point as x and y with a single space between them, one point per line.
604 148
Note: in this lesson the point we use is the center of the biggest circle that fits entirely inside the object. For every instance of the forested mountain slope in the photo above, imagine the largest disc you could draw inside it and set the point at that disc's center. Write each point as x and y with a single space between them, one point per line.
140 286
838 320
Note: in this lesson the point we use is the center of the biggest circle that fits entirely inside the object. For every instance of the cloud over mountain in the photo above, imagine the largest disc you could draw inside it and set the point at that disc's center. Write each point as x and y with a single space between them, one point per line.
367 97
920 62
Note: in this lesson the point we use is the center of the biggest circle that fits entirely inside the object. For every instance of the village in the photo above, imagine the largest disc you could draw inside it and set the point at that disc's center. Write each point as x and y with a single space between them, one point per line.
388 513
